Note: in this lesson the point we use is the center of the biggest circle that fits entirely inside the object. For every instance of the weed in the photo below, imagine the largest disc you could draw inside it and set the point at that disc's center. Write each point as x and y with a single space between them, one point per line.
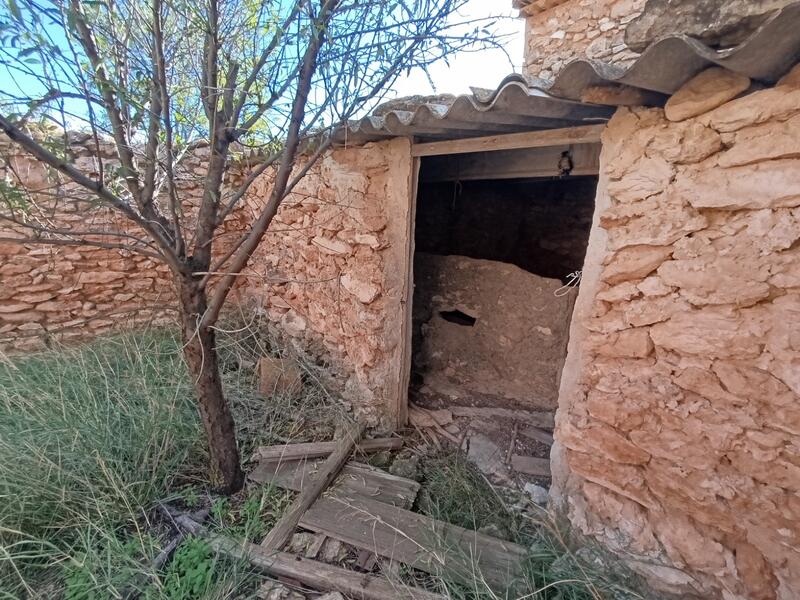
92 437
191 571
454 491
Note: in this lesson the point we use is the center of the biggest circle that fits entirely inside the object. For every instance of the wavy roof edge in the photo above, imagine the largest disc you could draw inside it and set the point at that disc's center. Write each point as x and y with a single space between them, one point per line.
522 103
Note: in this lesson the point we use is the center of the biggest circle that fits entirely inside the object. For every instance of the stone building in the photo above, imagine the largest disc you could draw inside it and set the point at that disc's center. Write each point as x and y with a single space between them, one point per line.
667 174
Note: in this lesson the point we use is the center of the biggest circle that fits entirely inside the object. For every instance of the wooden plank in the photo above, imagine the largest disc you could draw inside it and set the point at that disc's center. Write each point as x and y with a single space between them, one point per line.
314 574
537 419
416 540
355 479
321 449
540 435
583 134
399 403
511 164
530 465
284 528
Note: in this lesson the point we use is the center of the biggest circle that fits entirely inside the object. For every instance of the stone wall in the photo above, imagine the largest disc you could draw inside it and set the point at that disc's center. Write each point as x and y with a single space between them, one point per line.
557 33
68 292
329 270
679 417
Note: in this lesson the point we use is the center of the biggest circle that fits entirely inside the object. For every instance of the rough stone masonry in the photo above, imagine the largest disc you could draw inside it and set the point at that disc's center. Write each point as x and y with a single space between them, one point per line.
678 431
329 270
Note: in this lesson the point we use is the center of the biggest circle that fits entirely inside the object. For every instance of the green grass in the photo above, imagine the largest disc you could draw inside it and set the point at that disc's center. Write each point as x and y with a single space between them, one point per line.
453 490
94 437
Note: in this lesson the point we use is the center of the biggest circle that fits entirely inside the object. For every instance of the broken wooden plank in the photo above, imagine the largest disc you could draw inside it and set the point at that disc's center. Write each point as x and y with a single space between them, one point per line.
284 528
321 449
538 419
419 541
530 465
538 434
582 134
315 574
355 479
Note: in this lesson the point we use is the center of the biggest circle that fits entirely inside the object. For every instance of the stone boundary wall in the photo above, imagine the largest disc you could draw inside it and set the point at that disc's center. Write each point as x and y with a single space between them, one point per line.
574 29
329 271
678 431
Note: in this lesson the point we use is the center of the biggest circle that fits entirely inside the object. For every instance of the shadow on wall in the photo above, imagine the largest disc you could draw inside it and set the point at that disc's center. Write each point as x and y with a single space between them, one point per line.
541 226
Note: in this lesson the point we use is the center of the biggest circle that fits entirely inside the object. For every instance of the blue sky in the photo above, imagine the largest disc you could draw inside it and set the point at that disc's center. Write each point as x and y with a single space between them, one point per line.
468 69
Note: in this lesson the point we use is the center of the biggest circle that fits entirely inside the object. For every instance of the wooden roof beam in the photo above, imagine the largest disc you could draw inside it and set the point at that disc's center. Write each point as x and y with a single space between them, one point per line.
584 134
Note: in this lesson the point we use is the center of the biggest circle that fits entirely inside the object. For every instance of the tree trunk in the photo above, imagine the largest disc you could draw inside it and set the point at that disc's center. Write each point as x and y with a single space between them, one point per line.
200 352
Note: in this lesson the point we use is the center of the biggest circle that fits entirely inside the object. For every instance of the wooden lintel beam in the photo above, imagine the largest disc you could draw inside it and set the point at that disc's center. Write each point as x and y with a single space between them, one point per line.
583 134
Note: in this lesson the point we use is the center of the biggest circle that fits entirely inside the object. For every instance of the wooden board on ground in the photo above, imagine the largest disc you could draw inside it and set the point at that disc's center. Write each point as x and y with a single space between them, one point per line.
362 509
537 419
315 574
321 449
282 531
355 479
540 435
416 540
531 465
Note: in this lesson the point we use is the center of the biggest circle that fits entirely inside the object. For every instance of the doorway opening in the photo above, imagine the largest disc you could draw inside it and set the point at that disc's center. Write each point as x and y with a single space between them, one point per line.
496 268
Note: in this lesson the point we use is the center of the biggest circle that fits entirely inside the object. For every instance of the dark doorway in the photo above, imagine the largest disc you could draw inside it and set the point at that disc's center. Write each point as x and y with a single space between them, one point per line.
492 301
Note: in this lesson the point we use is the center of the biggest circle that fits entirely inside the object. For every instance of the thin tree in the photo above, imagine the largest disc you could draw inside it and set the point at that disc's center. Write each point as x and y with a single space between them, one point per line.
155 78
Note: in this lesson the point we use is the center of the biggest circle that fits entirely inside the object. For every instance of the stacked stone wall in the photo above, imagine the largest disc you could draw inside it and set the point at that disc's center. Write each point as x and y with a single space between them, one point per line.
575 29
329 271
678 432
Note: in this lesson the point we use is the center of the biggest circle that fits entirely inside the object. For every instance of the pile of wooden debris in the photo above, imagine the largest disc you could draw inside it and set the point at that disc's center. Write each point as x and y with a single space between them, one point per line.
343 503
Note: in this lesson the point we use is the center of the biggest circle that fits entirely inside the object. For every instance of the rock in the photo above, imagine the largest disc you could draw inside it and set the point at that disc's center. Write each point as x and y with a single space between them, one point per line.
770 184
14 308
538 494
769 141
332 246
602 441
771 104
710 333
494 530
364 291
685 143
630 343
300 542
272 590
279 377
486 455
634 262
791 79
705 92
649 176
333 551
721 23
381 459
101 276
293 323
405 465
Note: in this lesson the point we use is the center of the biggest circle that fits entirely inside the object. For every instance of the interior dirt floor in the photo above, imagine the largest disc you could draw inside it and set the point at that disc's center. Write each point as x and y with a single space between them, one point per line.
492 337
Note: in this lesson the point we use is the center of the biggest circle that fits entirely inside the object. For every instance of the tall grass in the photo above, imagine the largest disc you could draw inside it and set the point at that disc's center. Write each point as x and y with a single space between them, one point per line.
88 437
93 437
453 490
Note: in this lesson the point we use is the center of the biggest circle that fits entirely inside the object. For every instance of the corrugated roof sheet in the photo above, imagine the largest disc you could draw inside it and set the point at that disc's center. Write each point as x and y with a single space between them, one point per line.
525 104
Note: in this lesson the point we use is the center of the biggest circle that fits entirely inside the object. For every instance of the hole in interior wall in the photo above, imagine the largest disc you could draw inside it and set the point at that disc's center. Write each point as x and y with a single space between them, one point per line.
458 317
